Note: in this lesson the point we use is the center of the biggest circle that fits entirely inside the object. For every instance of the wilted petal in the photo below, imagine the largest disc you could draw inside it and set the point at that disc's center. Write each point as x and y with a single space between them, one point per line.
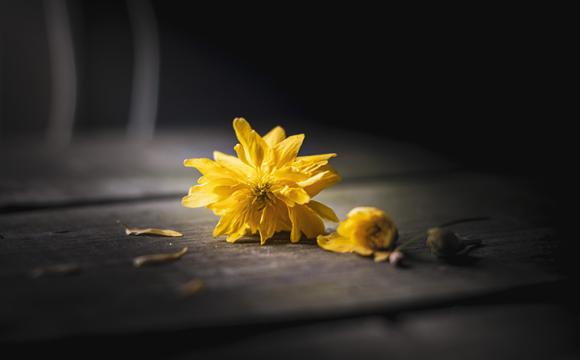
320 181
341 244
323 211
306 221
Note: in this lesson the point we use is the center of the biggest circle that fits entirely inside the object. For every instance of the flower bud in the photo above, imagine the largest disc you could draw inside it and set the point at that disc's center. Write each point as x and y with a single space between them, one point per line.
443 242
369 227
396 258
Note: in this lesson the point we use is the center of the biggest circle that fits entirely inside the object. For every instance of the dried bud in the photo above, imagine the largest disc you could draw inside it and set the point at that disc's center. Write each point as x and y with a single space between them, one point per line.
443 242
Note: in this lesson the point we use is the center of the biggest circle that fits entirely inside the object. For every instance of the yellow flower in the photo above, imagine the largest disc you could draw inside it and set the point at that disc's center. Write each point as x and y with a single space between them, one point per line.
366 231
266 189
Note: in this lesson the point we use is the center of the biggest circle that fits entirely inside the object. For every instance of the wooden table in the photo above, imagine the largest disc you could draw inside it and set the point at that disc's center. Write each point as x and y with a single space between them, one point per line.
282 299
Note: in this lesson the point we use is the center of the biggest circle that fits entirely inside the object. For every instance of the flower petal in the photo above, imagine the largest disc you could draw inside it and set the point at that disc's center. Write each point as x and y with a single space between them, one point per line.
274 136
340 244
209 168
323 211
287 150
292 195
255 148
306 221
233 164
267 224
320 181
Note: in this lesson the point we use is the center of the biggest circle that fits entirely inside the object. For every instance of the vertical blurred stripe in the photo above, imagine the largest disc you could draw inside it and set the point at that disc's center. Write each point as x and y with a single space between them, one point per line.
1 78
145 87
63 73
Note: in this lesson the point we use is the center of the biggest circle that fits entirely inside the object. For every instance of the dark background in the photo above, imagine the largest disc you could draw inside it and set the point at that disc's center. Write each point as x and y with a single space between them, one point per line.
473 84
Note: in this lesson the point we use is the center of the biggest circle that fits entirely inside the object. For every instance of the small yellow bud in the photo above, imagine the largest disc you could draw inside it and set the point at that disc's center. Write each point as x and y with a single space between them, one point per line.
366 231
370 227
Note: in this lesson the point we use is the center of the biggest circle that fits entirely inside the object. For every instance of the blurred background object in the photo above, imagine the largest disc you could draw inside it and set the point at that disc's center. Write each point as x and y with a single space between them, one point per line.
463 86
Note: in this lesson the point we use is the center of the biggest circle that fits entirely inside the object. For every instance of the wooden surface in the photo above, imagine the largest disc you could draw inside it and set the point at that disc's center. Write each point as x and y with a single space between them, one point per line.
62 206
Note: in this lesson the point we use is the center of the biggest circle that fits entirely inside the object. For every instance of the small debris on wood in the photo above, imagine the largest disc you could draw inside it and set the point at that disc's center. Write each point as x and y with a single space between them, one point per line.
191 287
158 258
396 258
56 270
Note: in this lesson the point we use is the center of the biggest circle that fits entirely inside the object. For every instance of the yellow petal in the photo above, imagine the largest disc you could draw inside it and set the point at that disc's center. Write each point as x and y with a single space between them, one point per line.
200 196
274 136
152 231
209 168
267 224
319 182
233 164
238 200
306 221
323 211
287 150
158 258
340 244
254 146
239 149
311 163
311 159
292 195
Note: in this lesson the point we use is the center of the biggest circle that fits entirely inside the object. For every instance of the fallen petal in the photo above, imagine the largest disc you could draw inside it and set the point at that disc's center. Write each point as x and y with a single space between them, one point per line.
158 258
152 231
56 270
191 287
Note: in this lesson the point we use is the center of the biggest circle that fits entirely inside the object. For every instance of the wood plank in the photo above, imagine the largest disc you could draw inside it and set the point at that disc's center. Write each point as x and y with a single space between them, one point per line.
247 283
482 332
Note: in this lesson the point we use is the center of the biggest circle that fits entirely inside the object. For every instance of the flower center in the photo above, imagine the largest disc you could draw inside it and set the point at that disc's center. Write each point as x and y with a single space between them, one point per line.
262 195
377 235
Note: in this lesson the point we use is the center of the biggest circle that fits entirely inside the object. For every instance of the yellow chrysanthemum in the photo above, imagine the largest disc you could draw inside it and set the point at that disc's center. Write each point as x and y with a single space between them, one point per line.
266 189
366 231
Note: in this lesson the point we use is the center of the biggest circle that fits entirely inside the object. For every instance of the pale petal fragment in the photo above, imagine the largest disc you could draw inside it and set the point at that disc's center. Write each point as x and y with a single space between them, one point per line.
152 231
158 258
191 288
323 211
65 269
